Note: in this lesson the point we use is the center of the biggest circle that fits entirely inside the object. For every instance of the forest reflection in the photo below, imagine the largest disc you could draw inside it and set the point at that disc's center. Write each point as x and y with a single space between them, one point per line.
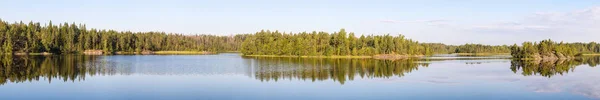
18 69
549 68
340 70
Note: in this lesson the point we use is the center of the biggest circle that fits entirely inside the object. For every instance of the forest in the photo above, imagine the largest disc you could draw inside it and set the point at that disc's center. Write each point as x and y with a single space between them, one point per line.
68 38
548 49
65 38
480 48
326 44
344 43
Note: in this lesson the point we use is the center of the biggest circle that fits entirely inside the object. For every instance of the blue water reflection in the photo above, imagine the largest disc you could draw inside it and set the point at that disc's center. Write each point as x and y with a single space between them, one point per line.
229 76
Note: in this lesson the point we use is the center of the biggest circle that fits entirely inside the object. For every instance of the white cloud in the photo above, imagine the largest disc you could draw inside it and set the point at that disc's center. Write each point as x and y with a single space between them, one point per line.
582 19
415 21
544 87
589 89
574 26
569 26
511 27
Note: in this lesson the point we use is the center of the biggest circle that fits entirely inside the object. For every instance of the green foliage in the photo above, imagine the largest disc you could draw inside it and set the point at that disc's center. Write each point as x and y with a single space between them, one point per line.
73 38
325 44
549 48
32 37
340 70
439 48
551 68
480 48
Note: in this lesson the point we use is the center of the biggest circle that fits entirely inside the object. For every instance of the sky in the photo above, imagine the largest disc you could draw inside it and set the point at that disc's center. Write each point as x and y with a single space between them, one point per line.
494 22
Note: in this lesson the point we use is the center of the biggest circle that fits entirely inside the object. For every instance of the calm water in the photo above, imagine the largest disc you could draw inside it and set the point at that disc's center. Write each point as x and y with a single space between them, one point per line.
229 76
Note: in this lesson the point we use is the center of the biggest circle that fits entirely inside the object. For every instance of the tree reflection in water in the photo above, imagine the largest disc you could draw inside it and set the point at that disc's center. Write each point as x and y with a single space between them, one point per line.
549 68
340 70
18 69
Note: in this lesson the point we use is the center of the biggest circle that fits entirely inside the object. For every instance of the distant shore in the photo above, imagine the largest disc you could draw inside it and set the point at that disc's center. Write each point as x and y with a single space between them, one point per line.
183 52
22 53
481 54
294 56
591 54
383 56
99 52
378 56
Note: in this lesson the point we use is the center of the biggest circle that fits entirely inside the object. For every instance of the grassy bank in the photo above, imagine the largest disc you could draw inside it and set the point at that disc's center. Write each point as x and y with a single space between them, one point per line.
26 53
379 56
395 56
130 53
481 54
230 52
309 56
182 52
591 54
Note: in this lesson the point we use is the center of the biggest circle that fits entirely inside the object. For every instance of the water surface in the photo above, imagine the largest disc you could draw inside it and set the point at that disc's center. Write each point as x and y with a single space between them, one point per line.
230 76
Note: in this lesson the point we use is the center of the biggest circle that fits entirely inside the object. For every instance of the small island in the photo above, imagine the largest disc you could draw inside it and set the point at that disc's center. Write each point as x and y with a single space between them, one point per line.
550 50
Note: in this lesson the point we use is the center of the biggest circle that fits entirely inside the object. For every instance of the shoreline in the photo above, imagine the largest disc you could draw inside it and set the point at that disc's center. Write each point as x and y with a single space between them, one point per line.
592 54
378 56
560 58
183 53
121 53
292 56
480 54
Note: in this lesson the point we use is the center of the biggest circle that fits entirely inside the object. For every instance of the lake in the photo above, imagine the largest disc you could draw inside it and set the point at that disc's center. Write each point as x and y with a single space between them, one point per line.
231 76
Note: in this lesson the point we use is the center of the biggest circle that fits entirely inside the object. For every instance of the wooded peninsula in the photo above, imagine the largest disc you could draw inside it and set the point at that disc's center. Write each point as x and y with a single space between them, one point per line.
73 38
34 38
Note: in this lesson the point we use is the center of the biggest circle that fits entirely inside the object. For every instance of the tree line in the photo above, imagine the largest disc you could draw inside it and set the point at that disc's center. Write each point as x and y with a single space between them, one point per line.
326 44
344 43
480 48
552 49
19 37
440 48
33 37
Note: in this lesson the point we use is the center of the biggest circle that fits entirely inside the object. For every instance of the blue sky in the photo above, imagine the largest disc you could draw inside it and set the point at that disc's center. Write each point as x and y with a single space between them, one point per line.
452 22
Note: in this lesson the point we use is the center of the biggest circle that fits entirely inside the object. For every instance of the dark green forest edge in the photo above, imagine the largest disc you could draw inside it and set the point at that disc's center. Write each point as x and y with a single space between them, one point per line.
32 38
550 50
